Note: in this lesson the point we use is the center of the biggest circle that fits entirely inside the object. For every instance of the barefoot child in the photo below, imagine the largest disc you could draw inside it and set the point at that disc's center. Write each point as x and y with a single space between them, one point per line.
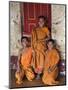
24 62
51 64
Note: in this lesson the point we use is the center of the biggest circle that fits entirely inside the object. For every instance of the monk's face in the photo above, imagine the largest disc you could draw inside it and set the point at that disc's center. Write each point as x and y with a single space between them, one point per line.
41 22
24 42
50 45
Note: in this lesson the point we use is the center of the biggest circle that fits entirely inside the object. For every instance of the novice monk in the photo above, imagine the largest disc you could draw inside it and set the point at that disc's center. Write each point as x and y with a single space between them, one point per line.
39 36
51 64
24 63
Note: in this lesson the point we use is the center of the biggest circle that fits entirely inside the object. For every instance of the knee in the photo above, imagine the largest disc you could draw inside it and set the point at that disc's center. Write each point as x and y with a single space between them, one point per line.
30 75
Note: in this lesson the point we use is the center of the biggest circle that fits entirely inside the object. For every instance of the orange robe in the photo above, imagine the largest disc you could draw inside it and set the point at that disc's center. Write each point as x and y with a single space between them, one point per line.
26 58
38 43
26 63
25 66
51 61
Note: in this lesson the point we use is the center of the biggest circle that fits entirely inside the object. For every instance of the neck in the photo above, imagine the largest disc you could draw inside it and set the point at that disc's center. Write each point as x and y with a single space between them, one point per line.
41 26
50 49
24 47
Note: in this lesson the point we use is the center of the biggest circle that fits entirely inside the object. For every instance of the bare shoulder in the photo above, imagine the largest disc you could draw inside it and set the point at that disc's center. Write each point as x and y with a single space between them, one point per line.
20 50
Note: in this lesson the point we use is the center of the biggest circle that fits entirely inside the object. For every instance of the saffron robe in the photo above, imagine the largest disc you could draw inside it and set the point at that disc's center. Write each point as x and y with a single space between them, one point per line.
51 64
38 42
26 58
25 64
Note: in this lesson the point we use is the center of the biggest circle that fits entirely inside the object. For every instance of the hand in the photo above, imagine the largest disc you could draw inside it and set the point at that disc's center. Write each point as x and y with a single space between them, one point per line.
38 70
32 51
49 70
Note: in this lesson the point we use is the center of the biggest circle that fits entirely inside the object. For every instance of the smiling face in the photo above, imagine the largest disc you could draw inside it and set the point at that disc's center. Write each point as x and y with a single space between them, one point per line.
41 22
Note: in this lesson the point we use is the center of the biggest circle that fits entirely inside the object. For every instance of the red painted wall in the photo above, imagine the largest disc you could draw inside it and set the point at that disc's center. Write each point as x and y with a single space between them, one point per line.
30 13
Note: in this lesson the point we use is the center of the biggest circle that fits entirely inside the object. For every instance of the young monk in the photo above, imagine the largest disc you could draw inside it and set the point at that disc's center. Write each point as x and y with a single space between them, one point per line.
24 62
51 64
39 36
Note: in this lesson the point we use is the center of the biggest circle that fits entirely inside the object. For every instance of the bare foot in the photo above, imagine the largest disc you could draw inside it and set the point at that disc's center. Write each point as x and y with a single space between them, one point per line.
52 83
56 82
19 82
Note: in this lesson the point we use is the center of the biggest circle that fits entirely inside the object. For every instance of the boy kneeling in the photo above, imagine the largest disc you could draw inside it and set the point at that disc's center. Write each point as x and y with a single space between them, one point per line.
24 62
51 64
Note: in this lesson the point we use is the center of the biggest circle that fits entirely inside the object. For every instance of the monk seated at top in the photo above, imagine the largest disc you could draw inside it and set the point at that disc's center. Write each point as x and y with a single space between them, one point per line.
24 62
51 64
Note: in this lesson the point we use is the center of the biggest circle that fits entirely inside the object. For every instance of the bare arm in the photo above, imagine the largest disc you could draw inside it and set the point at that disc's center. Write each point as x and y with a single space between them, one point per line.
19 59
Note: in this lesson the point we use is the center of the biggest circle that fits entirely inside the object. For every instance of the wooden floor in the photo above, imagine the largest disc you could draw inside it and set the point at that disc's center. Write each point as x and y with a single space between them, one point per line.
33 83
